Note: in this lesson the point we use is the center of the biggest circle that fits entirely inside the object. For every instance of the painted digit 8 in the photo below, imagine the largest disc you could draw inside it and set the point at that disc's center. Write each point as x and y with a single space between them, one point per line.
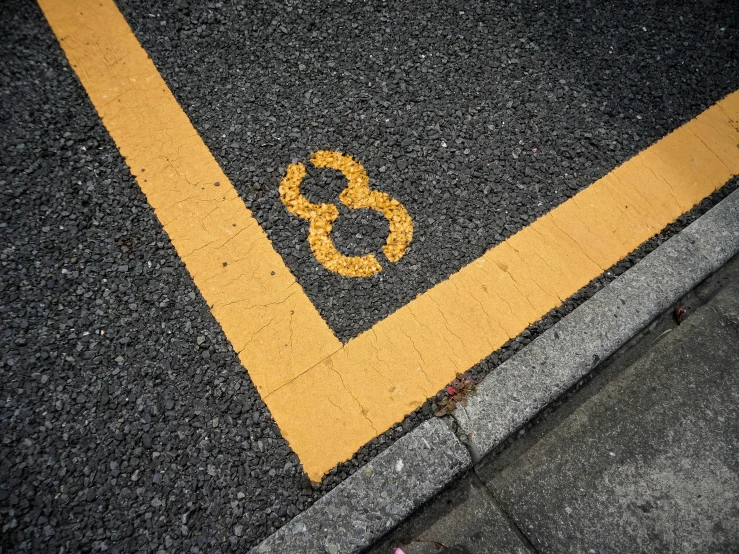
356 195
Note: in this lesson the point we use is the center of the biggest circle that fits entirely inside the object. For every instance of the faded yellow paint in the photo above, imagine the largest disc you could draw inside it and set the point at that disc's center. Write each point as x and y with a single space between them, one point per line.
327 399
356 195
263 311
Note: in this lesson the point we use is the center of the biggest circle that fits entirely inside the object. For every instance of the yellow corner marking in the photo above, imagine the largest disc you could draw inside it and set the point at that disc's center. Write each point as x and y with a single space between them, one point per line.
270 322
329 400
390 370
356 195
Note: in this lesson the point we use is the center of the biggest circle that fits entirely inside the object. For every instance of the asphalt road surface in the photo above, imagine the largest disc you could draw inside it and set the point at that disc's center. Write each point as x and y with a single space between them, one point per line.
128 423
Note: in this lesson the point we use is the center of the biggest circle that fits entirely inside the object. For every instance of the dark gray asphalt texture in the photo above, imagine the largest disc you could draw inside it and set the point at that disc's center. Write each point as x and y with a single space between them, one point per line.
149 436
127 422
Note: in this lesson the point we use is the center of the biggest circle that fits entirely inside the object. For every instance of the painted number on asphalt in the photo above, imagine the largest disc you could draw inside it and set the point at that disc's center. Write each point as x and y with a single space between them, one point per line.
356 195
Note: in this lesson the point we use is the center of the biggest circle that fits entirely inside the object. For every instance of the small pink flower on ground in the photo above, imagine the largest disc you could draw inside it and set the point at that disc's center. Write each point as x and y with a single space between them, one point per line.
398 550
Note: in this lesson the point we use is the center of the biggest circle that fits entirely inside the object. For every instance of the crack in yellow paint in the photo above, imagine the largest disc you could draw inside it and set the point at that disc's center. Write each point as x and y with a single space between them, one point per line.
356 195
329 399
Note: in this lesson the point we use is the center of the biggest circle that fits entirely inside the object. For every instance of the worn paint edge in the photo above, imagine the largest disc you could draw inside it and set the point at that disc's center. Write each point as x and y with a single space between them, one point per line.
652 286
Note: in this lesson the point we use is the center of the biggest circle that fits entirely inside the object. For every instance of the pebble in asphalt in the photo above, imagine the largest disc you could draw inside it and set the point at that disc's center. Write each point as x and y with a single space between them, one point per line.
127 421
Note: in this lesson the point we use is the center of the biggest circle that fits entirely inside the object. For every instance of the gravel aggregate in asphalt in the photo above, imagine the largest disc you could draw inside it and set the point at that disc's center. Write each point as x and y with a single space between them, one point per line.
127 422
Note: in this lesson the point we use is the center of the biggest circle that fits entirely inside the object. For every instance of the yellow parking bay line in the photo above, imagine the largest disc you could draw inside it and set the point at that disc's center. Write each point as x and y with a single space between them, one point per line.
263 311
329 399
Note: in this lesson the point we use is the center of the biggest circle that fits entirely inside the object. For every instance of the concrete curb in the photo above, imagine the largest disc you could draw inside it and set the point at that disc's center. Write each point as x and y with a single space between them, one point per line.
377 497
526 383
411 471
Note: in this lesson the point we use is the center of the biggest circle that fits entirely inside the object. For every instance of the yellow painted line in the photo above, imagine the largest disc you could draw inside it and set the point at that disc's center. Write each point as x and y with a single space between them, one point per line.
329 400
263 311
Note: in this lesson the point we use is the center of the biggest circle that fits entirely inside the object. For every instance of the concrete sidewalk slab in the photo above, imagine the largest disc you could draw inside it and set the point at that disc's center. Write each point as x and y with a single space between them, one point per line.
727 299
649 463
464 519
